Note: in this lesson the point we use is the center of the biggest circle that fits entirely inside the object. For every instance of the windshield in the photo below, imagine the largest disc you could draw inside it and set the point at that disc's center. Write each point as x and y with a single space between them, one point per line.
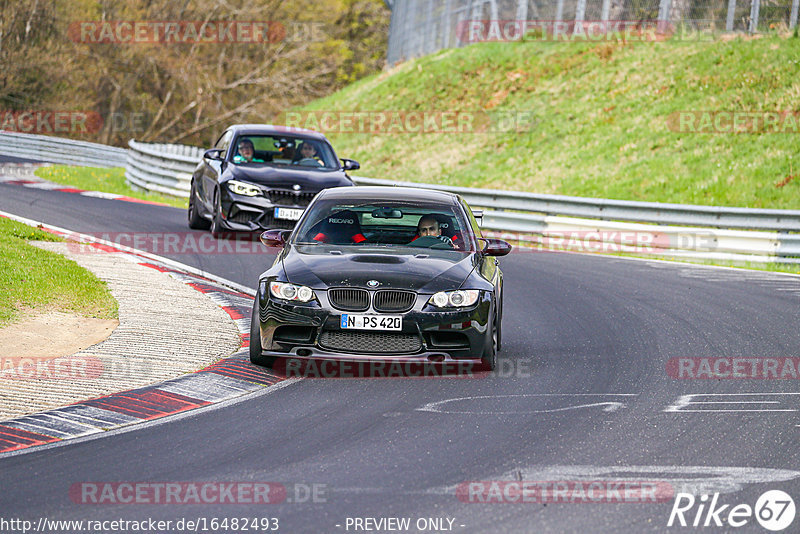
432 226
284 150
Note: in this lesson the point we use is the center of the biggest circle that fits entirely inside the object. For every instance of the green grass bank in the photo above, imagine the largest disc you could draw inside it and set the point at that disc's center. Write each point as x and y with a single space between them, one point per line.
604 120
32 278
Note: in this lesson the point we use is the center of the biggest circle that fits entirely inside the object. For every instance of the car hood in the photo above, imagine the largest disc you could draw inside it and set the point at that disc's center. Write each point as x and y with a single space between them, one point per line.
424 271
283 177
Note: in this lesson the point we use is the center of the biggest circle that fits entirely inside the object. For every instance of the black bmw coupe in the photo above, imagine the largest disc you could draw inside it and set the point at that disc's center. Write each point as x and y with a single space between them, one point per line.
386 273
259 177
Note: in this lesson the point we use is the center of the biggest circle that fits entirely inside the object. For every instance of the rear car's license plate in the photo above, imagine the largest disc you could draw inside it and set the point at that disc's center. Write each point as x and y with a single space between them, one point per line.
291 214
372 322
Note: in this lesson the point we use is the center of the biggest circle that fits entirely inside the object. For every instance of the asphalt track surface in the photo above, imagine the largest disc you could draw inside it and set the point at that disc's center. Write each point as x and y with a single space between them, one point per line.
583 394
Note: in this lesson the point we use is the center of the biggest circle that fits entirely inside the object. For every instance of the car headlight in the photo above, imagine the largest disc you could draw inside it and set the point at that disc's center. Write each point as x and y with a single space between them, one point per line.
281 290
242 188
455 299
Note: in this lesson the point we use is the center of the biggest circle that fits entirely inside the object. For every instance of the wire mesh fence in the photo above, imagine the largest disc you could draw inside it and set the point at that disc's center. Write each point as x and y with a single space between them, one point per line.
420 27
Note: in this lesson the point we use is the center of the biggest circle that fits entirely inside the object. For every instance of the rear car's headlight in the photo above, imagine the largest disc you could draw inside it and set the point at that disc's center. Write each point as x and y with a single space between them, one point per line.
281 290
455 299
242 188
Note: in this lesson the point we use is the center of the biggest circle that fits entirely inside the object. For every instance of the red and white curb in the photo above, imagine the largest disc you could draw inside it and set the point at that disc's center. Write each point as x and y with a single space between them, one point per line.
219 382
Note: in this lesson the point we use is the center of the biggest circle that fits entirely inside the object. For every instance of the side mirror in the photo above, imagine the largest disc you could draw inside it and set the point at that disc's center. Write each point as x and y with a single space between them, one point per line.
213 153
275 238
350 164
495 247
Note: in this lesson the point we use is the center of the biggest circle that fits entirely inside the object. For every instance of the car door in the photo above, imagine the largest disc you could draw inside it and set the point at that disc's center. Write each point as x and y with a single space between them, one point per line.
212 169
487 265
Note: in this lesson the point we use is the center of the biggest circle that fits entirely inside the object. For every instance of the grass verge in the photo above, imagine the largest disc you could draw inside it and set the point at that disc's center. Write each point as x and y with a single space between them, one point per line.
603 119
34 278
104 180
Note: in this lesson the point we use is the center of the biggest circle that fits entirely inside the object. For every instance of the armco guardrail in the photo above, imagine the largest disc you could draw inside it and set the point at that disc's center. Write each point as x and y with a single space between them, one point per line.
549 221
539 221
164 168
59 150
619 210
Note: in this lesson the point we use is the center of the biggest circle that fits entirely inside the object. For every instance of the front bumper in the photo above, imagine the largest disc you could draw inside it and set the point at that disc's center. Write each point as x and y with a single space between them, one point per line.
250 214
313 331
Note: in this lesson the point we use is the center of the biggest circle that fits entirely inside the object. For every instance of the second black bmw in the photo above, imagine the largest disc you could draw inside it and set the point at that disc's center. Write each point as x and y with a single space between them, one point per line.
381 273
259 176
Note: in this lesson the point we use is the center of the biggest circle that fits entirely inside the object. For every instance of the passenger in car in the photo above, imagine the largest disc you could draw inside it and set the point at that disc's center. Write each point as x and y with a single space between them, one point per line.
246 152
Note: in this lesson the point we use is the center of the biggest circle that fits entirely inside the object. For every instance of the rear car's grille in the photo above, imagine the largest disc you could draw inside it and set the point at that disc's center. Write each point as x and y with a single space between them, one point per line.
349 299
387 300
370 342
283 197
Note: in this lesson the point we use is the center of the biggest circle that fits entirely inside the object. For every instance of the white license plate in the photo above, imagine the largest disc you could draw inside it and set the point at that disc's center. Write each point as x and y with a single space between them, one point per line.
291 214
372 322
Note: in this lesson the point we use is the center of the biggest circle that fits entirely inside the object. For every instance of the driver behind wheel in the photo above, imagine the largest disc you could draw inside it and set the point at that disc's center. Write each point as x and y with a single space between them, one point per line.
307 155
428 226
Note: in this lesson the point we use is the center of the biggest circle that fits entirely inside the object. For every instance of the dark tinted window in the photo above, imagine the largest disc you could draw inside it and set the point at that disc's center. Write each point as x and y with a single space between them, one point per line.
223 141
390 223
286 150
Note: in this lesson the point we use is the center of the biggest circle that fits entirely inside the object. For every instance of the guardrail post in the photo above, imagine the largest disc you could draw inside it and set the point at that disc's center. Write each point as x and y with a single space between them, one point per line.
446 24
522 11
793 16
429 39
755 6
605 10
394 33
663 11
731 11
560 11
580 14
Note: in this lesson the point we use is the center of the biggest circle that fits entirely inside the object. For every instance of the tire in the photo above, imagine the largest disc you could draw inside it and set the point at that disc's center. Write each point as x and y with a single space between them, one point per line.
216 220
196 222
256 351
489 357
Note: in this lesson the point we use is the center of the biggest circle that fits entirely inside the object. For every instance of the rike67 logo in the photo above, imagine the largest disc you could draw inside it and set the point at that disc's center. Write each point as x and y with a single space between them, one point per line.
774 511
